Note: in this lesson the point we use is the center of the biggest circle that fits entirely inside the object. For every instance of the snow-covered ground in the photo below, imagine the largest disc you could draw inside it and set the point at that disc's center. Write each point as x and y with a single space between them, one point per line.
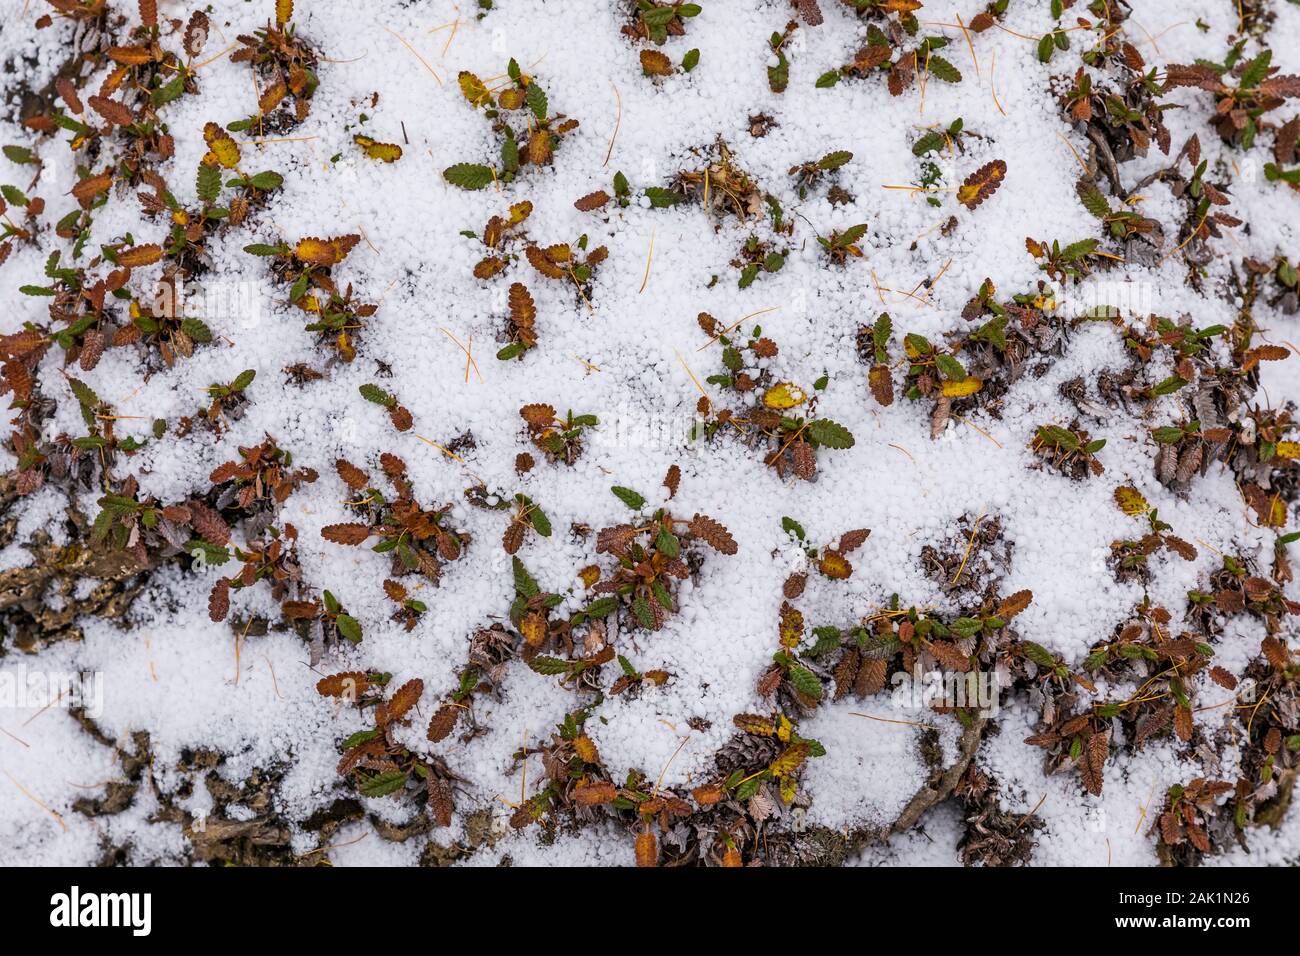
635 357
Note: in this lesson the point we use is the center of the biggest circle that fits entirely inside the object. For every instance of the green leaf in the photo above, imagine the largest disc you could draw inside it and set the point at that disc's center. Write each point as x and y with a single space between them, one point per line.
535 97
641 609
208 183
691 60
830 434
950 368
1256 70
943 70
805 682
834 160
629 497
1092 199
264 249
541 524
550 666
602 607
390 781
525 585
349 627
661 198
1046 47
373 393
468 175
928 143
827 80
13 195
18 154
1039 654
84 394
266 181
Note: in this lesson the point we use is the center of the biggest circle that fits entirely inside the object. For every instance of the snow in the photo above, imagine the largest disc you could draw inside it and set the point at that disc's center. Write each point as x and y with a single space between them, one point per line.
172 672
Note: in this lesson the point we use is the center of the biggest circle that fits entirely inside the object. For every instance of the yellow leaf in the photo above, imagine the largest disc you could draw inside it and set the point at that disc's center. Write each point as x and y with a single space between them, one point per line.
1288 449
967 386
473 89
784 729
1130 501
385 152
790 760
784 395
283 11
789 787
315 250
222 148
139 256
533 628
520 211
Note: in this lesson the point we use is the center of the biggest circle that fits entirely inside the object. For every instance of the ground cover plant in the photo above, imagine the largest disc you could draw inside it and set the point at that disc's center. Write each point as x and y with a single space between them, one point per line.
721 435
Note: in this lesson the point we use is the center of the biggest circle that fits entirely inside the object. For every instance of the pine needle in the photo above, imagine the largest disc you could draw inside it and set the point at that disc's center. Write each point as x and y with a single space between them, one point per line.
980 430
275 685
1082 164
446 451
645 279
903 450
969 547
993 88
691 374
432 71
886 720
669 764
36 800
966 33
618 121
469 354
735 325
1041 801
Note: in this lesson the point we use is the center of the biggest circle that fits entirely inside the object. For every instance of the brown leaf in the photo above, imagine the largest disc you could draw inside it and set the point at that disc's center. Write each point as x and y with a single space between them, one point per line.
1013 605
647 849
655 63
351 533
881 381
219 600
672 480
713 534
208 523
350 684
591 793
537 415
442 722
591 201
982 183
352 476
112 110
403 699
851 540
